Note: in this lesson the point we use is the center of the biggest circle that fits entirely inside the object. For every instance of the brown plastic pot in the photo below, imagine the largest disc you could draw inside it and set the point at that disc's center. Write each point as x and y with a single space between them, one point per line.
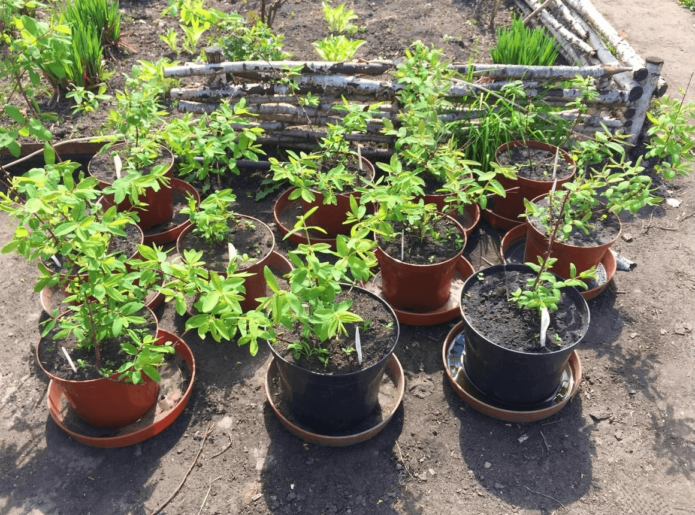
582 257
106 402
160 204
255 285
420 288
172 234
512 205
331 217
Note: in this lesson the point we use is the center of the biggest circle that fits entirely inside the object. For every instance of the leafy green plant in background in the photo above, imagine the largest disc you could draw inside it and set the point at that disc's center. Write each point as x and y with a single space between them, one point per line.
690 4
339 19
87 101
519 44
244 41
337 48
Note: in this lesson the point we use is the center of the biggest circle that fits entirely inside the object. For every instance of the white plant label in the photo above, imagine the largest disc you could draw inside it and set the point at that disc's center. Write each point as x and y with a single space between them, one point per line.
67 356
232 252
545 322
55 260
118 164
402 245
359 156
358 345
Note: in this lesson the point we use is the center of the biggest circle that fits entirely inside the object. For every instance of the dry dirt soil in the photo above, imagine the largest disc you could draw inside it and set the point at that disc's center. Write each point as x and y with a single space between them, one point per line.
624 445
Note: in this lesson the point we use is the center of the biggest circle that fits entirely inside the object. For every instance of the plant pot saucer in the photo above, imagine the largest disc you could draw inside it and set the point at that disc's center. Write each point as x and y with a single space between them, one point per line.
175 390
168 232
448 311
390 397
452 357
499 221
512 252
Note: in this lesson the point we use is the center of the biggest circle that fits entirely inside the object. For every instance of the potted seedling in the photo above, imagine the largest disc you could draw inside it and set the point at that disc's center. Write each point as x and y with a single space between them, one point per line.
103 351
135 174
326 178
331 339
220 233
583 214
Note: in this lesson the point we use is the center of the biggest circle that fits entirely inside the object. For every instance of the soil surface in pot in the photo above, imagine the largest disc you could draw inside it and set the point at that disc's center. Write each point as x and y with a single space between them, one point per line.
102 166
432 184
180 201
377 337
508 325
254 240
604 229
424 251
127 246
537 167
112 355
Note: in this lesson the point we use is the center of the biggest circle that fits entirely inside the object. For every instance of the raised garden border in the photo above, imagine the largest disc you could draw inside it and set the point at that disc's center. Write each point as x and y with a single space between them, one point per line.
625 82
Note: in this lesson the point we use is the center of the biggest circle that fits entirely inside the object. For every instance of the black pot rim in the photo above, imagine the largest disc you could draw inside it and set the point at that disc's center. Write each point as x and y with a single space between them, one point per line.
362 370
521 268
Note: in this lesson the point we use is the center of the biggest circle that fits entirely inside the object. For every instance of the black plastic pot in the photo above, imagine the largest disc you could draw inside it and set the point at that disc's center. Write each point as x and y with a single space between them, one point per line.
516 379
332 402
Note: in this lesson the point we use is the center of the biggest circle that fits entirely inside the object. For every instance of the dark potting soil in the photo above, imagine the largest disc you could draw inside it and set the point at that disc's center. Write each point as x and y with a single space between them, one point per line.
376 340
103 168
256 241
353 167
539 167
112 356
604 228
503 322
428 250
127 246
180 202
432 184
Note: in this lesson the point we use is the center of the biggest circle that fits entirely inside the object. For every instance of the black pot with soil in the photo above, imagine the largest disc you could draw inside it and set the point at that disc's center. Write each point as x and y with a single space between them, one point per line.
344 393
504 359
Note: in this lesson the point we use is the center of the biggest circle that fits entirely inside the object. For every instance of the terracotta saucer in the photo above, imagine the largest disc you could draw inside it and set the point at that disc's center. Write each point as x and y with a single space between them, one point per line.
512 251
452 357
175 390
162 237
390 397
448 311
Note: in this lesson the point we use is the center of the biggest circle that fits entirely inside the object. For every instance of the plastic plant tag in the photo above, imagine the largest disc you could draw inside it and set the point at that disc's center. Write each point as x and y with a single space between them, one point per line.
55 260
67 356
118 164
545 322
232 252
402 245
359 156
358 345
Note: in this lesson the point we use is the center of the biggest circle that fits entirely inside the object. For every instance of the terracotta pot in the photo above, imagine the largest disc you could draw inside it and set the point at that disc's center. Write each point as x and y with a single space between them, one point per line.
512 205
472 211
331 217
255 285
420 288
172 234
106 402
327 402
582 257
511 377
160 204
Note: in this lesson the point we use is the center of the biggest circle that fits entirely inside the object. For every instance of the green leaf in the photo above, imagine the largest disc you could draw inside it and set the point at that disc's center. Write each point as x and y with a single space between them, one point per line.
49 155
152 373
270 280
15 114
210 301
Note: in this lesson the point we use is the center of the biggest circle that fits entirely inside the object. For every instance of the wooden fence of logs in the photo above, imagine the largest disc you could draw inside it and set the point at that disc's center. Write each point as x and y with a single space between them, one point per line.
625 83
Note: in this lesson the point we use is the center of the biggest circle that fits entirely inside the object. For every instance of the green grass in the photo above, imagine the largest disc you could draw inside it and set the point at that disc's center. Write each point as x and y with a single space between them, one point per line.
690 4
521 45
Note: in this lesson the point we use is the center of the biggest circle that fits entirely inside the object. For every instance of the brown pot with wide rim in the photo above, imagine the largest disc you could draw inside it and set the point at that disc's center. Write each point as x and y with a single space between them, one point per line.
106 402
512 205
331 217
418 287
255 285
583 257
160 204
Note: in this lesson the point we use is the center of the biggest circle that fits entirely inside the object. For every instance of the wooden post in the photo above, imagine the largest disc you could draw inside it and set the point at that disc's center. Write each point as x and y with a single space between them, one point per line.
214 55
495 6
654 65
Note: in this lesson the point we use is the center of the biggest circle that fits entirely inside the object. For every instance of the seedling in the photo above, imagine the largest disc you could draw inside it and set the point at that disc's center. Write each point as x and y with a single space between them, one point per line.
339 19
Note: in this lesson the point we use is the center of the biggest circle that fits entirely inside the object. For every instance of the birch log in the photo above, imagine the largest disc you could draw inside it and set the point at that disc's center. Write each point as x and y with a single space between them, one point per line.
536 11
624 81
566 15
654 66
550 21
277 68
625 52
556 73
